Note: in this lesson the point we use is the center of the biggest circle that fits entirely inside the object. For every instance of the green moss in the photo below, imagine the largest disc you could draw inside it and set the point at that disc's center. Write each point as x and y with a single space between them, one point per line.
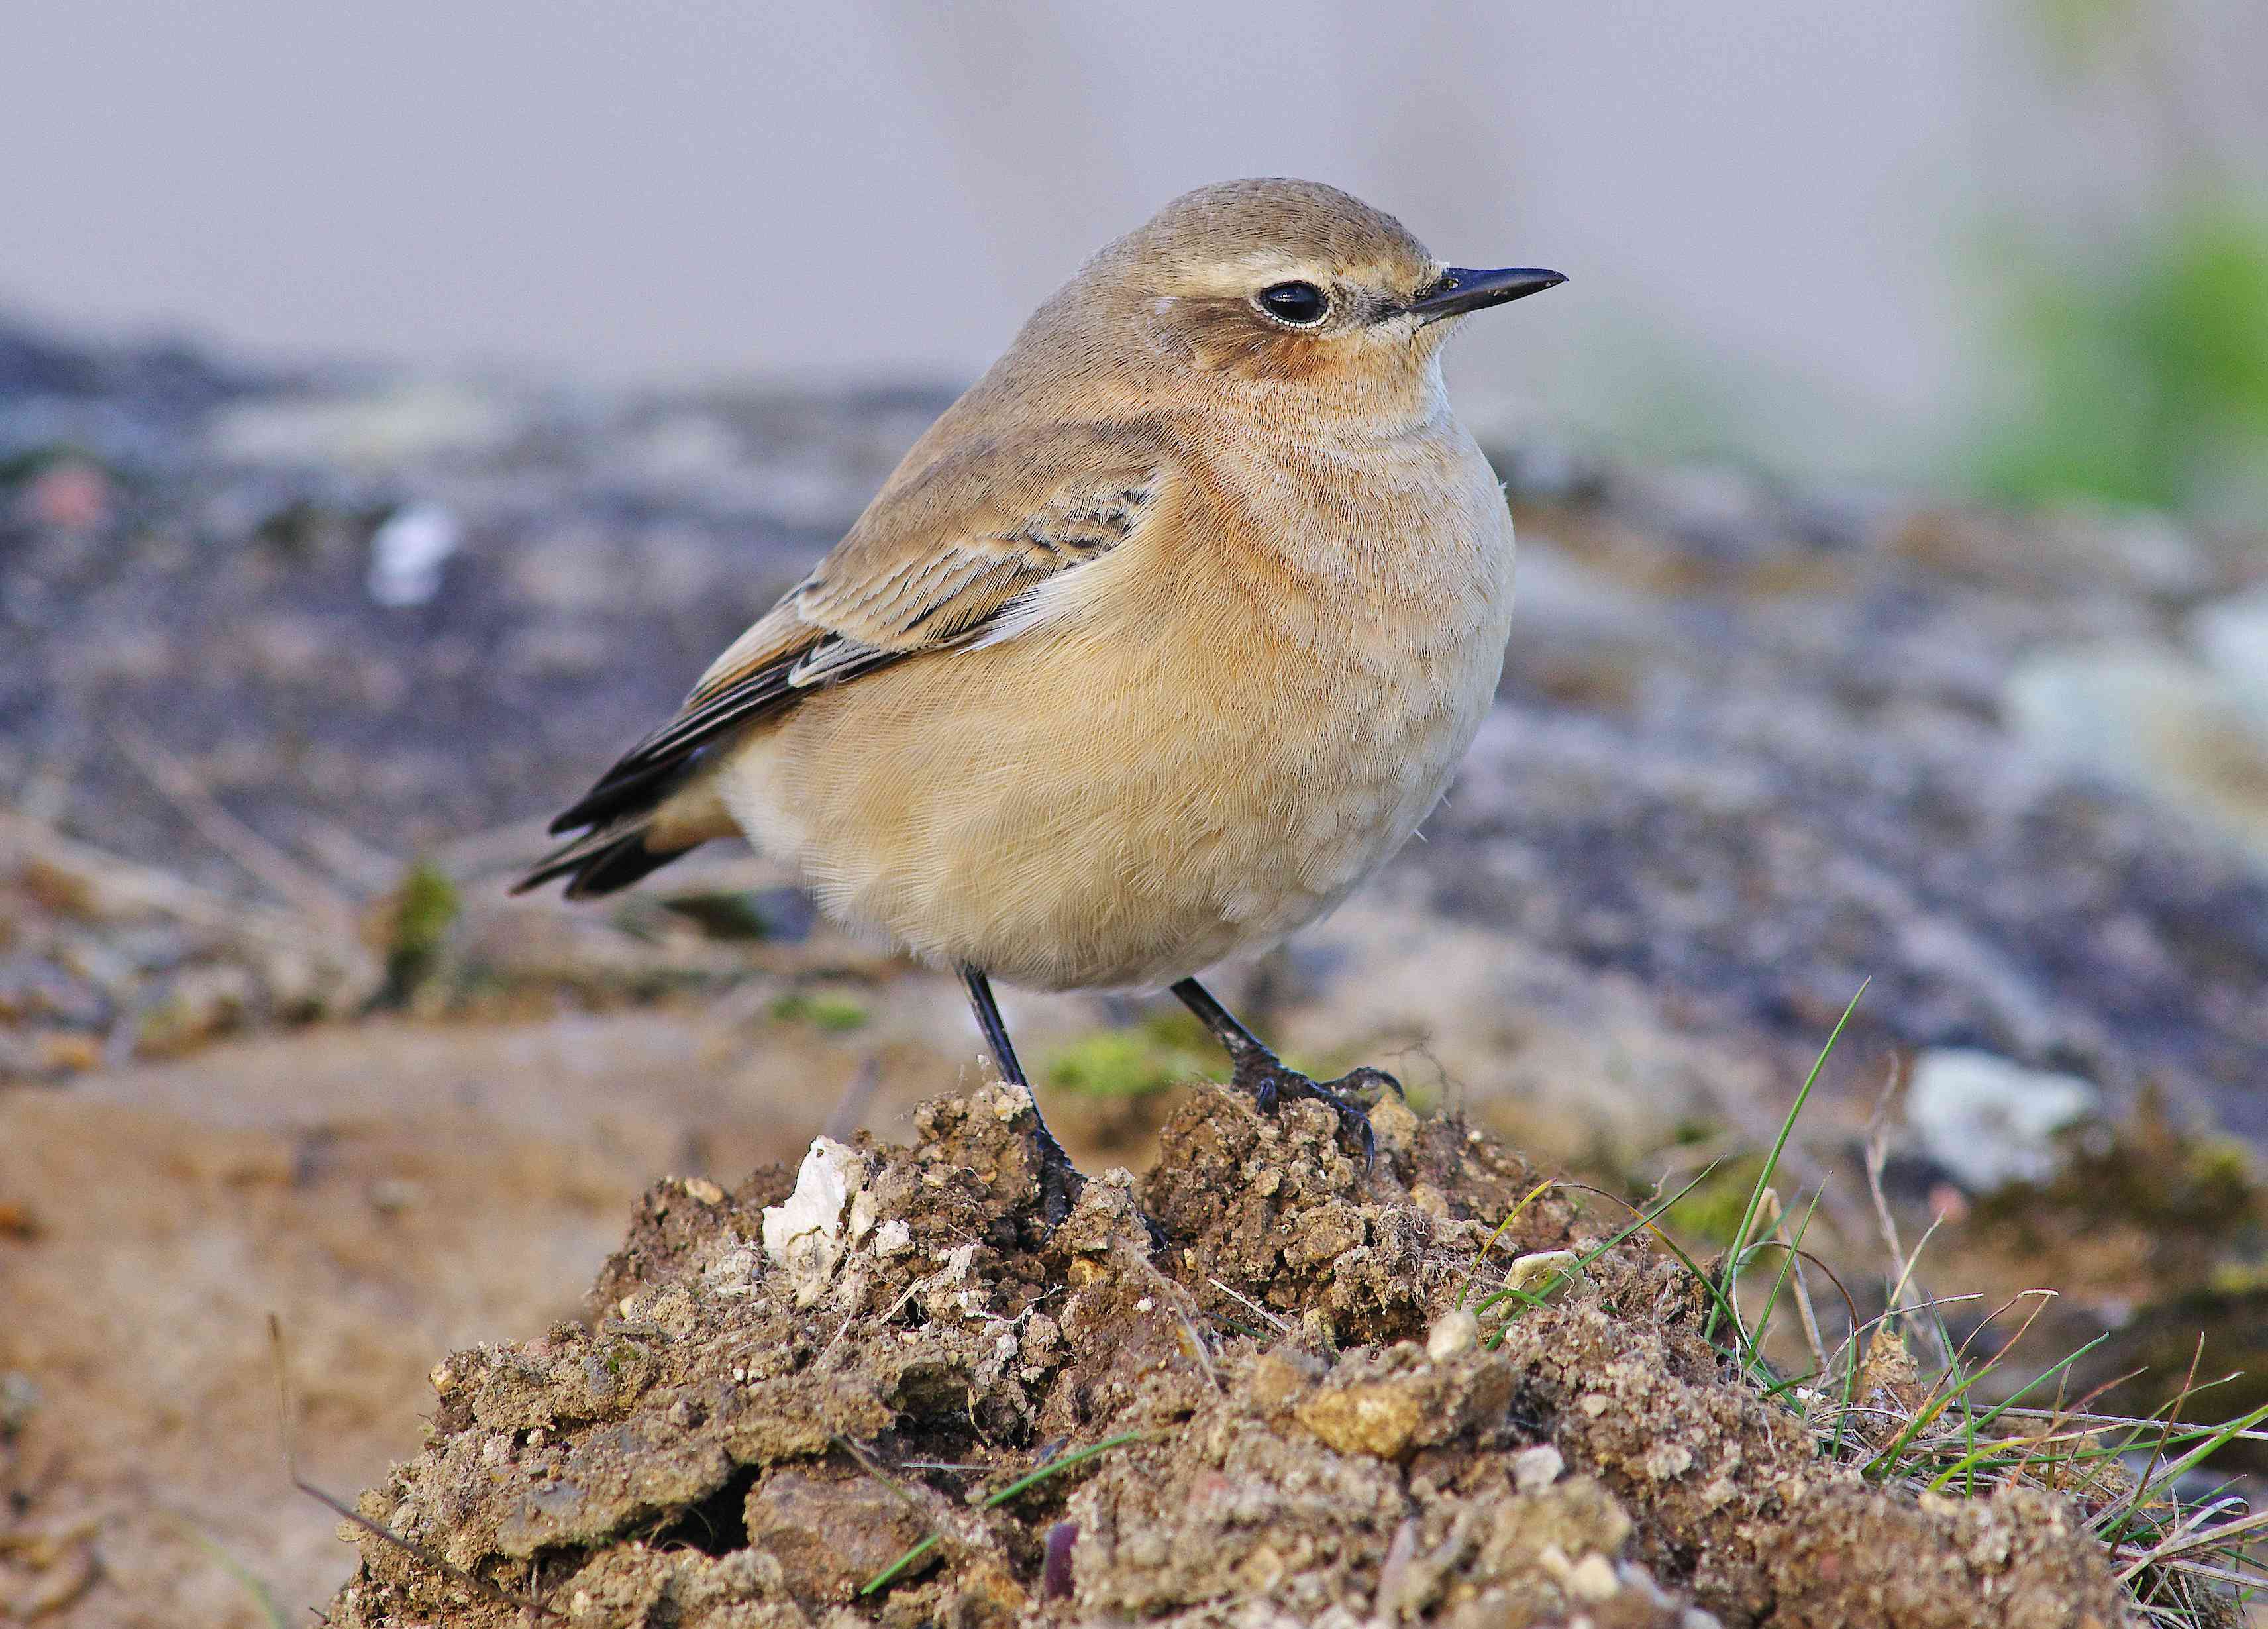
830 1014
1135 1063
728 916
2137 373
425 906
1711 1213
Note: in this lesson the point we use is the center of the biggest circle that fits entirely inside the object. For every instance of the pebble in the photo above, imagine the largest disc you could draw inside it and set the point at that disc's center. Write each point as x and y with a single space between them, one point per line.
1991 1121
1535 1469
1455 1332
408 553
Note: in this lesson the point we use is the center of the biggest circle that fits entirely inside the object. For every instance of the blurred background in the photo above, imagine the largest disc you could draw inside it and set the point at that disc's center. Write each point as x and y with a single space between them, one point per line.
399 406
2017 243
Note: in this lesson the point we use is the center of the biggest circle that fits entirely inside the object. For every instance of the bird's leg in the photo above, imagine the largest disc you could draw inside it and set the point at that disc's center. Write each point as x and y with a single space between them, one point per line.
1261 1072
1059 1179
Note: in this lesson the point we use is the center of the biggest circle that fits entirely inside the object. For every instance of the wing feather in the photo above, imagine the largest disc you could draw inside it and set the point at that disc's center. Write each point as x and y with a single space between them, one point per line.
947 557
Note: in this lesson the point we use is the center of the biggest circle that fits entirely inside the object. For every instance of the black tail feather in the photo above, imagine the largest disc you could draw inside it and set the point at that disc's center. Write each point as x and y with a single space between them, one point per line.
595 869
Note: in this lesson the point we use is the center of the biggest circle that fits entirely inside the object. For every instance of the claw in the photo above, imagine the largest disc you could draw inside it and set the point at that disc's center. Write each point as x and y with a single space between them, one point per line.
1366 1078
1060 1180
1268 1080
1059 1186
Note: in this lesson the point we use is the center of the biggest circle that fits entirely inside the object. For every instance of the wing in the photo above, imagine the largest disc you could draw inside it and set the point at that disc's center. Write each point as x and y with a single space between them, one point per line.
949 555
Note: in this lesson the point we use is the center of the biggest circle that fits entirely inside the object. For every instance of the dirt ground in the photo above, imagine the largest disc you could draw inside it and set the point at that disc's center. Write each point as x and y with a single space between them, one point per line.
1291 1420
398 1190
391 1190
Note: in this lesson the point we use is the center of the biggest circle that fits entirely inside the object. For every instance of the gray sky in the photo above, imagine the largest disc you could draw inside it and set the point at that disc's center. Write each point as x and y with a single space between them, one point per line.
696 187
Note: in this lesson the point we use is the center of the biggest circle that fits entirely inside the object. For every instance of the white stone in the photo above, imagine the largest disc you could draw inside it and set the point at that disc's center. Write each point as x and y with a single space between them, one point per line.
805 1236
734 1272
1549 1269
1535 1469
1455 1332
1990 1121
1594 1578
408 552
2151 718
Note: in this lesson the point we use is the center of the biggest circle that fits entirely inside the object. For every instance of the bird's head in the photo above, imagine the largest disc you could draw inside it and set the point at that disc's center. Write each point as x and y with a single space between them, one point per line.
1287 282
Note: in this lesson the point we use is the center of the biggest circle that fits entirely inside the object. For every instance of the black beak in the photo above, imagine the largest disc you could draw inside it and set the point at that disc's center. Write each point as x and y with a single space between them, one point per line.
1460 289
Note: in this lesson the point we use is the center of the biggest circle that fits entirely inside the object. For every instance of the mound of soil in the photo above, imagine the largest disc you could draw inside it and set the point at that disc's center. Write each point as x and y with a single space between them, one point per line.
785 1391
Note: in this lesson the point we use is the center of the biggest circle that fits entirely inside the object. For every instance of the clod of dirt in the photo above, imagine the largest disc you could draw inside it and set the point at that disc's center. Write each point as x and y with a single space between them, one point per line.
811 1403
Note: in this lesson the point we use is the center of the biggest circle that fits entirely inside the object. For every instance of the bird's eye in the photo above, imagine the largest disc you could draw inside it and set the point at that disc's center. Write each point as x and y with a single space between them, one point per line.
1300 303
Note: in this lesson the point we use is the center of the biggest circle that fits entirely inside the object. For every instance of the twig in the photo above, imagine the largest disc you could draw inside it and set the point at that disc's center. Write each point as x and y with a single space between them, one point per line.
360 865
849 1112
1877 1155
1804 1310
1253 1308
122 883
185 789
345 1512
145 887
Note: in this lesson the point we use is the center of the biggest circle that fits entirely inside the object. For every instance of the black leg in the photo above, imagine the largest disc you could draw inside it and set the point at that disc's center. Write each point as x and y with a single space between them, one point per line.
1260 1071
1059 1179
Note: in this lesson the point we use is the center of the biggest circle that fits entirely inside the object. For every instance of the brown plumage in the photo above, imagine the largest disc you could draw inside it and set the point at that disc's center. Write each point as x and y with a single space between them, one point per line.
1163 636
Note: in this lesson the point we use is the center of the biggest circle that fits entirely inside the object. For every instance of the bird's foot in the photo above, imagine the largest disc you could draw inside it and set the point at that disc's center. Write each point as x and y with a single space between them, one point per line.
1060 1181
1270 1080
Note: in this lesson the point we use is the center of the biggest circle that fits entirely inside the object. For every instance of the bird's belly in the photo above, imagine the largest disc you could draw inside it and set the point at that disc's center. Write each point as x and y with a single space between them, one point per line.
1159 816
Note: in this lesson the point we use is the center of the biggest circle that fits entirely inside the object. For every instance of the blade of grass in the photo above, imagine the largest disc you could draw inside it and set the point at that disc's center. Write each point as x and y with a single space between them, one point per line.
1772 1160
1647 1222
262 1597
2212 1444
1888 1460
1787 1267
1534 1194
1032 1479
1985 1422
1077 1457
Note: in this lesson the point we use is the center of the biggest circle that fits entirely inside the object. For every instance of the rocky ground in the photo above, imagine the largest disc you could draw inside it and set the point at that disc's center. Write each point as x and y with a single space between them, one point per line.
295 663
1285 1409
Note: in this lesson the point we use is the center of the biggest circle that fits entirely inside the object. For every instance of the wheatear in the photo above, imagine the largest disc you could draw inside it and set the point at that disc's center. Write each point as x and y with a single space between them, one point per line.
1158 642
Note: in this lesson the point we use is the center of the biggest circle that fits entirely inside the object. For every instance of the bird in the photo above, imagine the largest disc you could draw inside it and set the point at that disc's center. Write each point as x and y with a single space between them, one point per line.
1163 637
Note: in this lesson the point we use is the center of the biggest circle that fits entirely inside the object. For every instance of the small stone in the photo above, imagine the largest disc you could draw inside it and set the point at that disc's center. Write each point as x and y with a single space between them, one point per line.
1454 1332
1593 1578
1535 1469
831 1536
1010 1099
1668 1460
1545 1268
1056 1576
1395 1126
1275 1378
702 1189
1991 1121
1382 1418
805 1235
2232 636
392 1195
